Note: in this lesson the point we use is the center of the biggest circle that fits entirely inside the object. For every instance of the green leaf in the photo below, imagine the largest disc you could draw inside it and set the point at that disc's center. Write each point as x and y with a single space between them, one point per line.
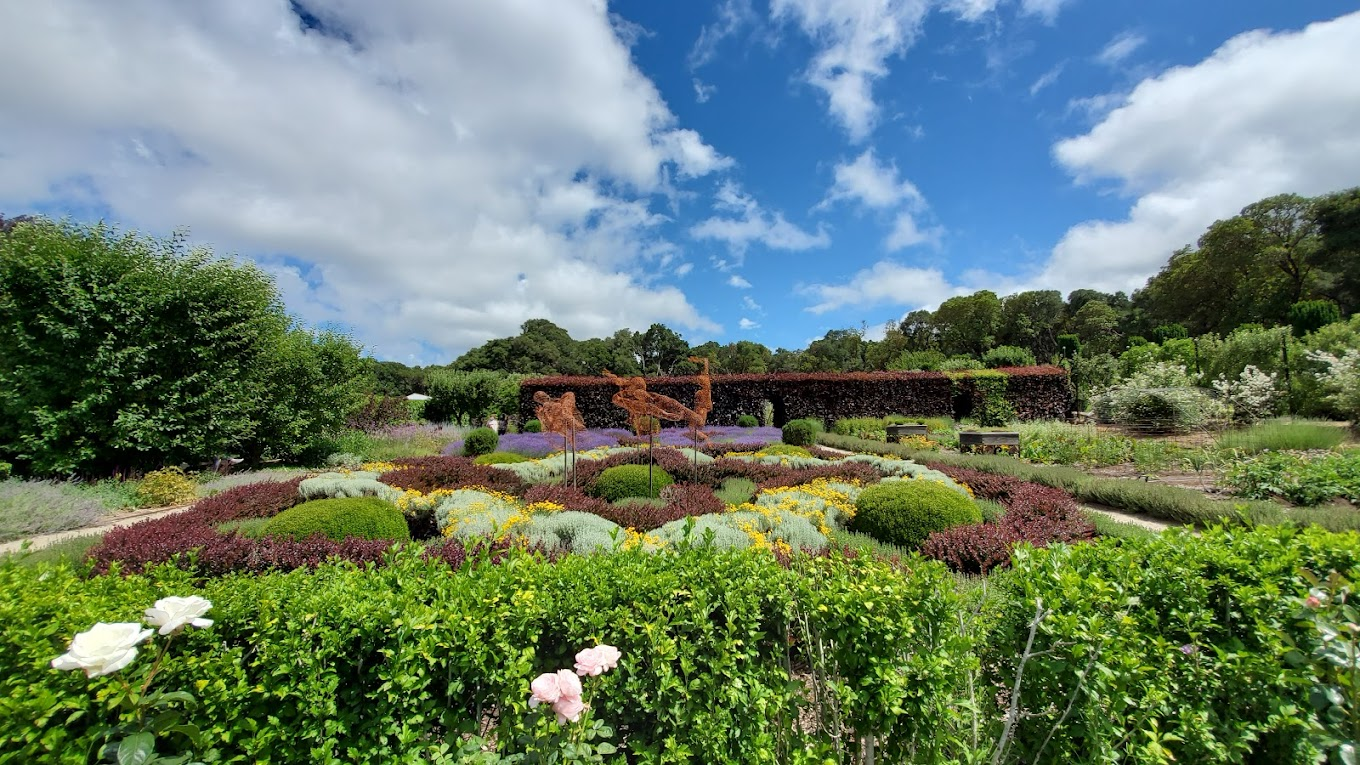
137 749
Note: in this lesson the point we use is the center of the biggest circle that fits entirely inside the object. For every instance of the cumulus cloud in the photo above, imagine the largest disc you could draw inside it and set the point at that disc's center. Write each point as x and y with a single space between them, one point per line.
871 183
736 281
443 170
1123 45
1267 113
744 221
747 324
884 282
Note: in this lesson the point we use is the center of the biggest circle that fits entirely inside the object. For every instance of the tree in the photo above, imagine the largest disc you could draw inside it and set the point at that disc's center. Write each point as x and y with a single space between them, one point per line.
393 378
839 350
121 352
661 349
1286 236
919 331
744 357
1337 255
968 324
471 397
1031 320
1097 325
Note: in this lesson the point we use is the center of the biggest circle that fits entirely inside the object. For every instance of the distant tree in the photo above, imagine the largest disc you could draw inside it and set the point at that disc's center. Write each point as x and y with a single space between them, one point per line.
785 360
393 378
661 349
1337 255
1097 325
471 397
839 350
1032 320
1286 236
744 357
919 331
968 324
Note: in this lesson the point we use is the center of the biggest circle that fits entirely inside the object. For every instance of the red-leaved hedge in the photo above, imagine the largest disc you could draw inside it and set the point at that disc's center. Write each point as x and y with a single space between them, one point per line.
1034 392
1036 514
425 474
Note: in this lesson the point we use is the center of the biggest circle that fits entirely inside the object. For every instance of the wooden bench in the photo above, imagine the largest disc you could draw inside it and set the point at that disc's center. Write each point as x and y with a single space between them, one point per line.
989 442
902 431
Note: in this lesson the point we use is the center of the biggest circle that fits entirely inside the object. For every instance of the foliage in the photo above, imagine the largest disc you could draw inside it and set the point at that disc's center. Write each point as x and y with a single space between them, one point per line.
1161 397
990 406
1342 381
1282 435
800 432
381 412
905 513
1304 479
748 421
1252 396
470 397
123 352
533 426
1008 356
735 491
425 474
1329 646
499 458
480 441
32 508
341 518
1050 442
165 487
623 481
1310 315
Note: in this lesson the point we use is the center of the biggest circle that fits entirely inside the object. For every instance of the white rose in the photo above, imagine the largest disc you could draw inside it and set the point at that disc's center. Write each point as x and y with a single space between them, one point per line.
171 614
103 649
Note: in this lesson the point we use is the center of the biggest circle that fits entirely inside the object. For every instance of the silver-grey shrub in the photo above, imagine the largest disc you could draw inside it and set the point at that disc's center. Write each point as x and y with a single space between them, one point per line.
30 508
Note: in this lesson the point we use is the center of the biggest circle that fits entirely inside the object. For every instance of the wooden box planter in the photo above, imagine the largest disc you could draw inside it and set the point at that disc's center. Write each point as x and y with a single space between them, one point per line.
900 431
989 442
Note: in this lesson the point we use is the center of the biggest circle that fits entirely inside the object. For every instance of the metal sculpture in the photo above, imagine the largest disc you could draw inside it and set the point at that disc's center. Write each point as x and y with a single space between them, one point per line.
642 405
559 415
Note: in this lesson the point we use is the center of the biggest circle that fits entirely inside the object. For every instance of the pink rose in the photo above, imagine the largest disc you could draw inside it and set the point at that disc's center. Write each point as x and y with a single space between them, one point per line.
568 708
546 689
1313 601
596 661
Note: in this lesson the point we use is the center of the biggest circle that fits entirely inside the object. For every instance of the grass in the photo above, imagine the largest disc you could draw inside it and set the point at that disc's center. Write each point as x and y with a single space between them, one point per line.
990 510
735 491
30 508
70 551
867 545
1282 435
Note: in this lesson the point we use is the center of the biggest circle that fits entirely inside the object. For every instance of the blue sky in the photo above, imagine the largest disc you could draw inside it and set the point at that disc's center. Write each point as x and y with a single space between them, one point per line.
430 174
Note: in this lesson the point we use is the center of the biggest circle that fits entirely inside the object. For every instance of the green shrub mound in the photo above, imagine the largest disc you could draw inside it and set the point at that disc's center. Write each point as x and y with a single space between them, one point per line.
785 450
623 481
800 433
362 517
480 441
747 421
533 426
906 512
500 458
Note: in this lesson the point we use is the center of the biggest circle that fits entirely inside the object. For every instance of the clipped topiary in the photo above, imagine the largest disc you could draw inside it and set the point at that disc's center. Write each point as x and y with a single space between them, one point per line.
533 426
906 512
167 486
480 441
800 433
339 519
500 458
747 421
623 481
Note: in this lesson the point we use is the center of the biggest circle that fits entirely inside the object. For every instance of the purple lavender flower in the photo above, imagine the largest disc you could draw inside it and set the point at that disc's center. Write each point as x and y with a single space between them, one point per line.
1189 650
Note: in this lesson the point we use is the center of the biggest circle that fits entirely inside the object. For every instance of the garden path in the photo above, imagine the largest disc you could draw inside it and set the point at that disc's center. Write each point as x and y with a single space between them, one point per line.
113 521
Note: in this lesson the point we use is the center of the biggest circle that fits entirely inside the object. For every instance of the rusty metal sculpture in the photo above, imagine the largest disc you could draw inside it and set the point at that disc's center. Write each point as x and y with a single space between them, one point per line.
643 405
559 415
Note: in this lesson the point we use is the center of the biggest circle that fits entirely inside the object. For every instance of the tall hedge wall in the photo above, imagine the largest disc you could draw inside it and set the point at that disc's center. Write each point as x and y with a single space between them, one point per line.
1034 392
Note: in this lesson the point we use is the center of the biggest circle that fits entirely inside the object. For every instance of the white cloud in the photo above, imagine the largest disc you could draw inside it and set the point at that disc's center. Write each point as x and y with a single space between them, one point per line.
855 39
749 303
1047 78
907 233
1045 9
873 184
884 282
683 269
752 223
703 91
1267 113
692 157
746 323
971 10
732 16
444 170
1123 45
736 281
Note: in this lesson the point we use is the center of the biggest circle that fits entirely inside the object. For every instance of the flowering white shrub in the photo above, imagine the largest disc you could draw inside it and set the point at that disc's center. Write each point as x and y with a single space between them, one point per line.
1342 380
1252 395
1162 395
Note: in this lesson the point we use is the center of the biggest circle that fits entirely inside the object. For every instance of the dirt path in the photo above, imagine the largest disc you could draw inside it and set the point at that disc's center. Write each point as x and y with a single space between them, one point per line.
113 521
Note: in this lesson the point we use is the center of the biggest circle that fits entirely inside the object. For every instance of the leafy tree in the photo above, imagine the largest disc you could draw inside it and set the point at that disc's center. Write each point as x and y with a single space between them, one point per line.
661 349
1338 252
968 324
119 352
1097 325
744 357
1031 320
1286 236
839 350
393 378
785 360
918 361
920 331
471 397
311 382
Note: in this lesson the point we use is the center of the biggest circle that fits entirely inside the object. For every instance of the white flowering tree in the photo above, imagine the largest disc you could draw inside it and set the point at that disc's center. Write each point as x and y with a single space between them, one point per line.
1342 380
1253 396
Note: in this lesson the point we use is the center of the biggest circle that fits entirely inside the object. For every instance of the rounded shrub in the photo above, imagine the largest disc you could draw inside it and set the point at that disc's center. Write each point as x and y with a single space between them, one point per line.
480 441
338 519
623 481
800 433
747 421
500 458
906 512
533 426
1008 356
167 486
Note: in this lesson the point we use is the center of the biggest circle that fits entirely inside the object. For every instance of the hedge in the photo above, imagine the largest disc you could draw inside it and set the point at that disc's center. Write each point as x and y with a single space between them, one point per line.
1033 392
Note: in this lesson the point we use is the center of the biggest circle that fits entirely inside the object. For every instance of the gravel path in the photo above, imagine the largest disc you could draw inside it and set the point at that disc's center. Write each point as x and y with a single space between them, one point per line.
114 521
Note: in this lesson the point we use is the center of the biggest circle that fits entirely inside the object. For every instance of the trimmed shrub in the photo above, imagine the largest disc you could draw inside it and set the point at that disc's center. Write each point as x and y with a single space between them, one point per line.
748 421
425 474
784 450
1007 356
345 460
480 441
532 426
340 519
499 458
800 433
906 512
165 487
623 481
